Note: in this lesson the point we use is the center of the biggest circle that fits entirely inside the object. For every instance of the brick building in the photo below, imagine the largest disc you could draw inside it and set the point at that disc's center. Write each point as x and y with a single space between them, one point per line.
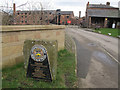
102 15
33 17
64 16
42 17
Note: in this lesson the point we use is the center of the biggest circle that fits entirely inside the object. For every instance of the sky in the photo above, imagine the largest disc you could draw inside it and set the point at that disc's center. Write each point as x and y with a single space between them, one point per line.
64 5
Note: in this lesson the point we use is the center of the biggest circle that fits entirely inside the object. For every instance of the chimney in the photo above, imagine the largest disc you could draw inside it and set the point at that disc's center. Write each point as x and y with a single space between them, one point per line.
87 4
79 14
108 3
14 9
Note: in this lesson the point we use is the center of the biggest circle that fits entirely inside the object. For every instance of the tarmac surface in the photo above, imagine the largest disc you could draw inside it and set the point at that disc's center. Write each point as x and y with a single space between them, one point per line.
95 67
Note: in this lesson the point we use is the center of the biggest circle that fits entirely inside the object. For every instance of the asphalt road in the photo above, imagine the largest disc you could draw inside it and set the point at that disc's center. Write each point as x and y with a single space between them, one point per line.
95 67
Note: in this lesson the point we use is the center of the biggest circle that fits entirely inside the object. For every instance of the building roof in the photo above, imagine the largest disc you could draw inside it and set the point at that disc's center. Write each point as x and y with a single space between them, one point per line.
65 12
99 6
50 11
107 11
103 13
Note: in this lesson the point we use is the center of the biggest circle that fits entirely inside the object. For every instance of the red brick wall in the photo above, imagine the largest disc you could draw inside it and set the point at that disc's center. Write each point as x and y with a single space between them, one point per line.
32 18
65 18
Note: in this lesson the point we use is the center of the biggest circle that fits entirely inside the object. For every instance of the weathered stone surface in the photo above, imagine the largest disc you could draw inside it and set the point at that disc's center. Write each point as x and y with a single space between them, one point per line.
13 38
52 49
31 27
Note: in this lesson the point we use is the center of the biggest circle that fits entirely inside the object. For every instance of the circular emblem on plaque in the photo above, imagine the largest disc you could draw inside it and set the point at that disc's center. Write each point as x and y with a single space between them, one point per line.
38 53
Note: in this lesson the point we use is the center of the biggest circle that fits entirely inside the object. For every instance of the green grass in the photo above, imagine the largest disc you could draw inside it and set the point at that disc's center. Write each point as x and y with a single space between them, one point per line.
14 77
105 31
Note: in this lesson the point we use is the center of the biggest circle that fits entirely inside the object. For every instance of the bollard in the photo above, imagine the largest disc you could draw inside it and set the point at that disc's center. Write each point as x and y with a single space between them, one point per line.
40 59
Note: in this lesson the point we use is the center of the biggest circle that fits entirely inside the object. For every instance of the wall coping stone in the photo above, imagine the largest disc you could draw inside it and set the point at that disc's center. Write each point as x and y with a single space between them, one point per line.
17 28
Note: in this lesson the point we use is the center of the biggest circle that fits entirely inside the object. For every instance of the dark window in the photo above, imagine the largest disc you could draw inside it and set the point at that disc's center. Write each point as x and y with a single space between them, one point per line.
18 13
25 16
22 16
67 16
22 21
33 21
25 13
25 21
50 13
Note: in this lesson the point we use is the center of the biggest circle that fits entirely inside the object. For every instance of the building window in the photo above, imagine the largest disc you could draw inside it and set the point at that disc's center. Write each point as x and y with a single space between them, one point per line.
25 16
41 18
67 16
22 16
37 21
25 21
25 13
33 21
18 13
22 21
50 13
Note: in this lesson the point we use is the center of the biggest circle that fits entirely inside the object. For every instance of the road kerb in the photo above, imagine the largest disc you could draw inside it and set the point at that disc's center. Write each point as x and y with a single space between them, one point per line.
111 55
75 55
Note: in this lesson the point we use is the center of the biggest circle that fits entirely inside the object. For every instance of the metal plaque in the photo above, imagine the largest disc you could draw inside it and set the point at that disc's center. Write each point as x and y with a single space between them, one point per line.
38 53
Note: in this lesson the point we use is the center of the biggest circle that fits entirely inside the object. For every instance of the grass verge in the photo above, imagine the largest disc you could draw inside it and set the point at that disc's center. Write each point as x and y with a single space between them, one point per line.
14 77
105 31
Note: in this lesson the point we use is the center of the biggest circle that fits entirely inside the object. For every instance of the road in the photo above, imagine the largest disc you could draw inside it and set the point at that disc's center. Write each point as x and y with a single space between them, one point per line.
95 67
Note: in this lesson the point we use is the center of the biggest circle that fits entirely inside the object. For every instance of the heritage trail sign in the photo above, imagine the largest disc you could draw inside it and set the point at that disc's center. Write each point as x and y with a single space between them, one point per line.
40 59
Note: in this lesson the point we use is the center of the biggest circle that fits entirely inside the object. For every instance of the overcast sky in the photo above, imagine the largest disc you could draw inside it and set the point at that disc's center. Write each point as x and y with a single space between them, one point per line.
64 5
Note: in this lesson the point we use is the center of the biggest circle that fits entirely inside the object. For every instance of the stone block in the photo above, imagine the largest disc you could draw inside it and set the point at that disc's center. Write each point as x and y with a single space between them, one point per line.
51 47
13 37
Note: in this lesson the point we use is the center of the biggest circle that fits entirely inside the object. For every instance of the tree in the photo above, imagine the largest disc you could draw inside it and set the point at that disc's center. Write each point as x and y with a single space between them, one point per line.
6 14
